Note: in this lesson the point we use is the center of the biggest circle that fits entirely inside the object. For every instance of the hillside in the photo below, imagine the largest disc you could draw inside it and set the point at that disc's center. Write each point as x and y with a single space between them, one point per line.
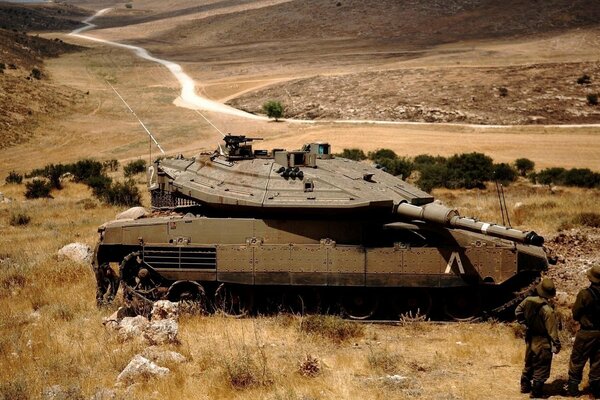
26 93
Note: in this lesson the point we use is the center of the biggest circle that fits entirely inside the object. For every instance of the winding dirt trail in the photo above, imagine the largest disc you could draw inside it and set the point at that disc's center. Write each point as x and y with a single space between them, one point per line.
190 99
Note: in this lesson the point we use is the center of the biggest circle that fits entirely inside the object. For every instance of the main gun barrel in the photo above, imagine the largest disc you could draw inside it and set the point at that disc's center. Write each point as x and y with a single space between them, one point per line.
438 214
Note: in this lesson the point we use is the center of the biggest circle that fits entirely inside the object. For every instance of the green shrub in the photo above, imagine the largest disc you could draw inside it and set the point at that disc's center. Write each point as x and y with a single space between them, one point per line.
353 154
427 159
37 189
469 170
502 91
110 165
397 166
550 176
134 167
2 67
14 177
592 99
273 109
82 170
19 218
99 184
122 194
432 176
504 173
331 327
36 73
581 177
381 154
128 5
584 80
524 166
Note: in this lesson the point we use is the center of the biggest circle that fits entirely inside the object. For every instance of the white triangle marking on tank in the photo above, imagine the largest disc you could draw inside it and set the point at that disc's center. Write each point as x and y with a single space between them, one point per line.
455 257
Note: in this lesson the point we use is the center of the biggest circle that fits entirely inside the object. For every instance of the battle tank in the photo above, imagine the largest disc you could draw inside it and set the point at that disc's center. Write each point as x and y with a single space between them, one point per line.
242 229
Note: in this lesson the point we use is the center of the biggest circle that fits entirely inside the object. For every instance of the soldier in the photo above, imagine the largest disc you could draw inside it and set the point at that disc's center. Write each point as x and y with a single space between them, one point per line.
541 338
107 282
586 311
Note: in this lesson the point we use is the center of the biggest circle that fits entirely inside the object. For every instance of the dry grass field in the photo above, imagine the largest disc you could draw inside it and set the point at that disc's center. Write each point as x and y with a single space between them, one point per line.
51 332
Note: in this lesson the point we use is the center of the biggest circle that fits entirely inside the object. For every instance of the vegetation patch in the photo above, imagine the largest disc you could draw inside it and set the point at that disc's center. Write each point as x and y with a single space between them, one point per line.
14 177
331 327
134 168
19 218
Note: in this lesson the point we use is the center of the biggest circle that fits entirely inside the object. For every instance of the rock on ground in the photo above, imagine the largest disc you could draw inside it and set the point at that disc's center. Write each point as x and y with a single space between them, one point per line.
163 357
162 331
165 309
132 327
78 252
133 213
139 368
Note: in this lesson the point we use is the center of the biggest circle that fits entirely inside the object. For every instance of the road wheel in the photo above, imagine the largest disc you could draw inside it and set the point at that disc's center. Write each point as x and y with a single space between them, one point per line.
359 304
412 303
233 301
462 304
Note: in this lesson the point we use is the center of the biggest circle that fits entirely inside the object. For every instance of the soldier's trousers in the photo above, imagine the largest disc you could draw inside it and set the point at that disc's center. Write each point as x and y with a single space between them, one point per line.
538 359
586 347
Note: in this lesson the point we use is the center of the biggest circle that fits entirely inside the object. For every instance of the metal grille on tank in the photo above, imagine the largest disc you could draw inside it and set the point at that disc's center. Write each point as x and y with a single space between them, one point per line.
161 198
180 257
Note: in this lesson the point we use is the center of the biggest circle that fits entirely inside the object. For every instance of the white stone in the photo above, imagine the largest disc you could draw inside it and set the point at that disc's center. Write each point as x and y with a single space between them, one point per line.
139 368
165 309
162 357
132 327
162 331
78 252
133 213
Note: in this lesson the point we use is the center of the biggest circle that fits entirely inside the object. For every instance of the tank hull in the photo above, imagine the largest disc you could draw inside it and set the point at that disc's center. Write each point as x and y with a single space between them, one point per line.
326 255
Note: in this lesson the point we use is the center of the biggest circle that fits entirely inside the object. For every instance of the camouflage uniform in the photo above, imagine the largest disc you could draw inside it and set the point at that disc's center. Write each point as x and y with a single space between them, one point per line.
107 281
541 338
586 311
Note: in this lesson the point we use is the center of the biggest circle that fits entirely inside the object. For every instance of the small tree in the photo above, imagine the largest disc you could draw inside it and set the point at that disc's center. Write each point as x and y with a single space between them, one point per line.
524 166
504 173
354 154
273 109
592 99
502 91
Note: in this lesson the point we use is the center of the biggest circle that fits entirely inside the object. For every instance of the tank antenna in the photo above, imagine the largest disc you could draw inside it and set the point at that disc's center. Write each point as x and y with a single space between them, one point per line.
211 124
138 118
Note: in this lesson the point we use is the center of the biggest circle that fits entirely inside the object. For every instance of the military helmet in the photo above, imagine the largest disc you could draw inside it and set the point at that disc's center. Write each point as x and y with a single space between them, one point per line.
143 273
593 274
546 288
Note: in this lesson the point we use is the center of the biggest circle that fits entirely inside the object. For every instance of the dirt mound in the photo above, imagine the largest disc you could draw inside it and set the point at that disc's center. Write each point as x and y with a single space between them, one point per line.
576 251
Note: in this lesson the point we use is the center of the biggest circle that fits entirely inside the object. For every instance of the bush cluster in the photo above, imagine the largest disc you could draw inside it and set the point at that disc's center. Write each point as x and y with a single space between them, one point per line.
14 177
91 173
470 170
37 188
134 168
579 177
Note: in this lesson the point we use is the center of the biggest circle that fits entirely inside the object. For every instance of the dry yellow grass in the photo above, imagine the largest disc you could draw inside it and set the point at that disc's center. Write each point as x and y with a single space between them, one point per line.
539 208
51 332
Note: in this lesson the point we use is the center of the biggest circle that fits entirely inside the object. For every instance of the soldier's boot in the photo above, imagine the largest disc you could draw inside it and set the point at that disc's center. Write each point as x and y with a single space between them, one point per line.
525 385
573 389
537 390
